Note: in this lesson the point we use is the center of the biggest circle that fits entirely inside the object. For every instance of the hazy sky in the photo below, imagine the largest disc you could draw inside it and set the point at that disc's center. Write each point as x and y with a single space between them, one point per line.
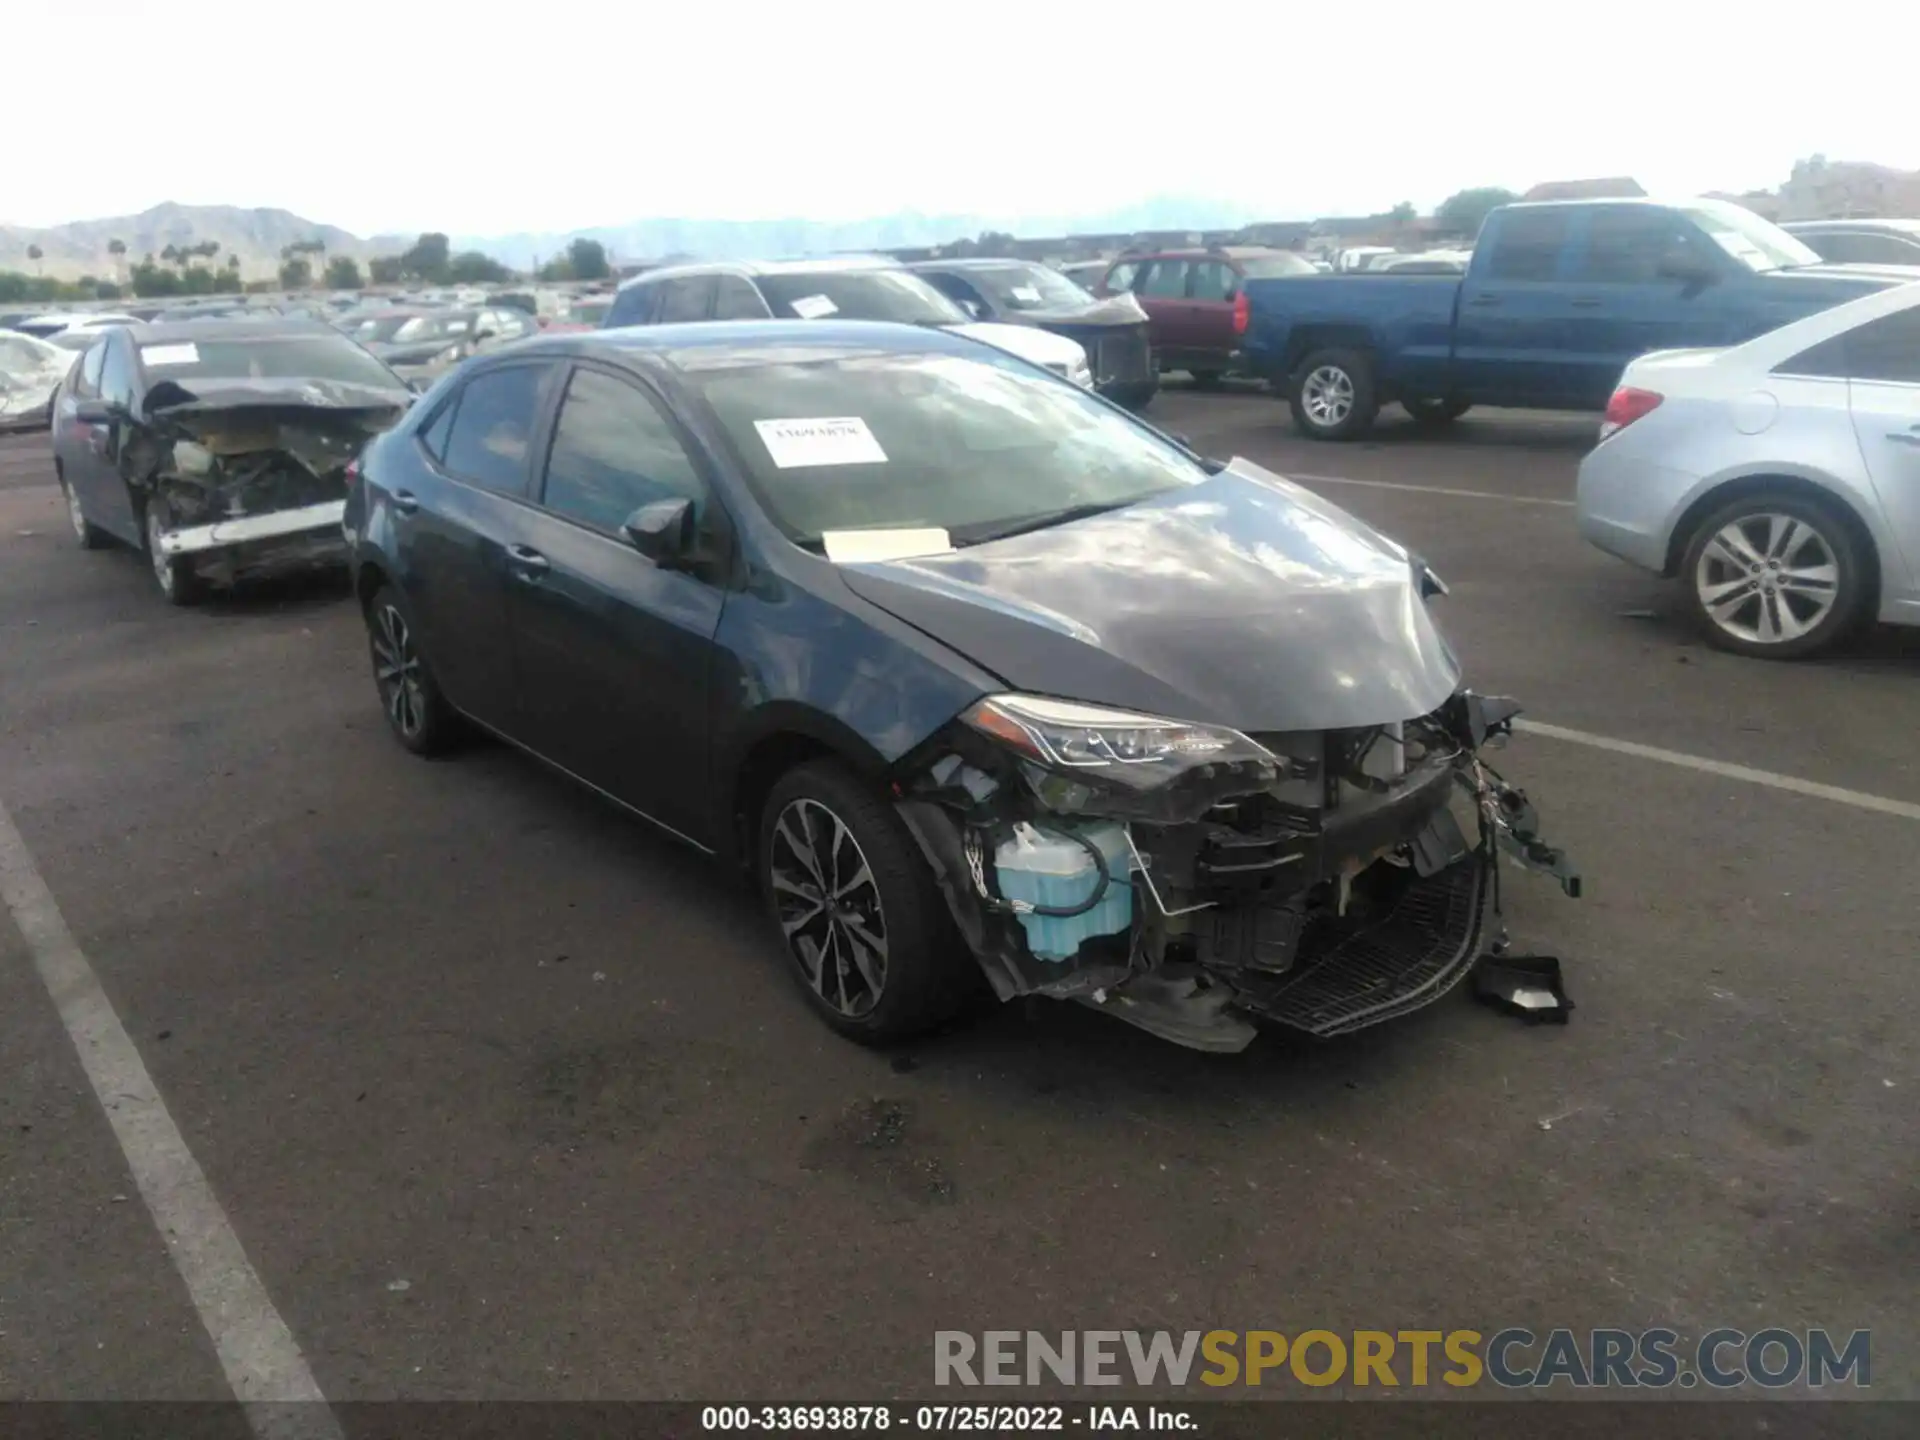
479 118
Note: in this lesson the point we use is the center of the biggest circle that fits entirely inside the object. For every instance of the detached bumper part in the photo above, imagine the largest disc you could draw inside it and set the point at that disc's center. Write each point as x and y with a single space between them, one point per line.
247 529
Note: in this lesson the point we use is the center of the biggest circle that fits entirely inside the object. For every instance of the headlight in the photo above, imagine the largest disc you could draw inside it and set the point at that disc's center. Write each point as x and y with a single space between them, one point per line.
1428 583
1087 759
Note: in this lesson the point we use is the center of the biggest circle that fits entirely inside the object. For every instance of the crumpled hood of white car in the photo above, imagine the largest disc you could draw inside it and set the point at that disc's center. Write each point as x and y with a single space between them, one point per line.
1041 347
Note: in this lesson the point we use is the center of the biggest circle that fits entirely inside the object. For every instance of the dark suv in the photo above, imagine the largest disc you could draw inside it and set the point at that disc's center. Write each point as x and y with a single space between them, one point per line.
1188 296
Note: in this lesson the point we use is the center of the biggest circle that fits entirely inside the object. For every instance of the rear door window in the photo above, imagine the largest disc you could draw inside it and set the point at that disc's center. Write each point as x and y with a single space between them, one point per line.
633 306
1164 280
1212 279
686 299
1527 244
734 298
492 429
1887 349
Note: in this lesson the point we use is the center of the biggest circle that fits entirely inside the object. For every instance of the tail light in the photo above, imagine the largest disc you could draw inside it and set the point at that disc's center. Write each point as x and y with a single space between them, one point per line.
1242 313
1627 406
352 472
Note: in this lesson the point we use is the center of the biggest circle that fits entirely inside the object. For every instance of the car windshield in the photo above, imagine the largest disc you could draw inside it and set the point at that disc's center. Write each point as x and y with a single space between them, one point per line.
1027 287
1268 267
267 357
1758 244
893 295
975 447
405 329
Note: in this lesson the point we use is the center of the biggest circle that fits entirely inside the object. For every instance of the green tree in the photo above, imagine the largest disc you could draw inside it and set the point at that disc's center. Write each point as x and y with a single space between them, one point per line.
587 259
384 269
36 255
150 278
470 267
106 290
1403 213
296 272
1463 212
343 273
427 259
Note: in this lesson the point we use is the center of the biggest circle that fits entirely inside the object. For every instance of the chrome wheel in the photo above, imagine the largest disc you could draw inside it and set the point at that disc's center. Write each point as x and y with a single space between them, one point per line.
1327 396
396 670
163 568
828 905
1767 578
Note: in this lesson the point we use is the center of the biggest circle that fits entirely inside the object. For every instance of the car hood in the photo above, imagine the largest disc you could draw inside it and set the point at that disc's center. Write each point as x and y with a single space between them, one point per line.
1112 310
1844 281
411 352
1244 601
1037 346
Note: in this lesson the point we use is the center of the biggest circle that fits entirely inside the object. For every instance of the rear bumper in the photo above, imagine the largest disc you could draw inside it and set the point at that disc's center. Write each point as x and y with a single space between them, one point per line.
1629 508
313 521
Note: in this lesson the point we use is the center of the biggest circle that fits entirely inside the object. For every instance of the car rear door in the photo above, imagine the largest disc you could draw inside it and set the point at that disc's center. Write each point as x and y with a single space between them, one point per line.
1211 286
1883 363
1161 289
1512 343
110 501
614 653
78 447
459 496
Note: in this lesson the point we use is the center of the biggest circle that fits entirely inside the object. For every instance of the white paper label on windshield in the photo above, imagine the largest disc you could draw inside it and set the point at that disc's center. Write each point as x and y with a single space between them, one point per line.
853 547
836 440
185 353
814 307
1026 294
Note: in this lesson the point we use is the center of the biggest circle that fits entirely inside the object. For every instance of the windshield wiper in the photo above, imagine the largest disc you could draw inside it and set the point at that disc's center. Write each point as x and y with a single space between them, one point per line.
991 530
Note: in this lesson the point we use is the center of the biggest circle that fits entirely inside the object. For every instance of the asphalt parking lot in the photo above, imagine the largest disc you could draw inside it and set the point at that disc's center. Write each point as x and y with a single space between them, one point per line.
505 1097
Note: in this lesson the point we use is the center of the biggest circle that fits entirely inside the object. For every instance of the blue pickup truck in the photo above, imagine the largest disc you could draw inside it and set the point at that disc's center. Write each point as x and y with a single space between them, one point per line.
1559 296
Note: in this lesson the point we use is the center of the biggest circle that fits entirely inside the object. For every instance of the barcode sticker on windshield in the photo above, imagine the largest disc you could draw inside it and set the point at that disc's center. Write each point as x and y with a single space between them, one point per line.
1026 294
814 307
838 440
186 353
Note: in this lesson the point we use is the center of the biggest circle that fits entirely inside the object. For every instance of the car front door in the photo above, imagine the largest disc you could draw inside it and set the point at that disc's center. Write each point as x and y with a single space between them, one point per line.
460 501
1883 362
1161 289
614 652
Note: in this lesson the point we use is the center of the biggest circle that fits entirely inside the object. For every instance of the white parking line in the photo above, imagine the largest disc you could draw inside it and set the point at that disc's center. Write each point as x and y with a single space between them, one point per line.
1859 799
263 1365
1425 489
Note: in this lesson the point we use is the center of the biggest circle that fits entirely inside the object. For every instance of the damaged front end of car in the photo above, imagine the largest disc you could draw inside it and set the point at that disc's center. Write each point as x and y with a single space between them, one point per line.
251 476
1194 880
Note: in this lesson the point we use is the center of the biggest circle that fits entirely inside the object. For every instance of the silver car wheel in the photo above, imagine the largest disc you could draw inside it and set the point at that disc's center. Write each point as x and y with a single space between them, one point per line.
1327 397
1767 578
828 905
396 670
163 569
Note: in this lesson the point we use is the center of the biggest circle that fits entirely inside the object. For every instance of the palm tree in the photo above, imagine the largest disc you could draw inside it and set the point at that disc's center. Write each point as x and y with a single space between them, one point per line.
171 255
118 249
36 255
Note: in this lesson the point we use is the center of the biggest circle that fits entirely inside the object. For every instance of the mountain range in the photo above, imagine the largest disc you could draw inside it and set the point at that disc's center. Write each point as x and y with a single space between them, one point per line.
258 236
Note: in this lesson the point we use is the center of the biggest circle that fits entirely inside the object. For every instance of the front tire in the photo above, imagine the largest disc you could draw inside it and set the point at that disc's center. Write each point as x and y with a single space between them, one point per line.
1333 395
417 713
867 935
179 583
1776 575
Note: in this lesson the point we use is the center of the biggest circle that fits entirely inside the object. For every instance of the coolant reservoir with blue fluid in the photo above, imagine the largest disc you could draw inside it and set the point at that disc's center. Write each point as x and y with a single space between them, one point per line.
1047 866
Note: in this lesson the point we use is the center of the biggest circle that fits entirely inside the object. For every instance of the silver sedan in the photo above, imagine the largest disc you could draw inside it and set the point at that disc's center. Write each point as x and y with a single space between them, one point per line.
1778 481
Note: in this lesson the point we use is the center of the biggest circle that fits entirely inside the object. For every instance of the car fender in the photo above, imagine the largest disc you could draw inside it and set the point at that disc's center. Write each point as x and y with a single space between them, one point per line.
1713 490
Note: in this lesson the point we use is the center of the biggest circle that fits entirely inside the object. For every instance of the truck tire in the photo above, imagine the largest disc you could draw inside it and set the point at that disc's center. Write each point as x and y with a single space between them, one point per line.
1435 414
1333 395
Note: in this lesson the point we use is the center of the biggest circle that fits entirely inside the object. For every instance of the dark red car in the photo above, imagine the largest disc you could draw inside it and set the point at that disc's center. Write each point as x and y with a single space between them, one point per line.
1188 296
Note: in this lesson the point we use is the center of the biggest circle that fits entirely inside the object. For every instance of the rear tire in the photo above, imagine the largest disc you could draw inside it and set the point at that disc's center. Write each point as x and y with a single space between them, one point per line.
416 712
1333 395
882 962
88 535
1776 575
1435 414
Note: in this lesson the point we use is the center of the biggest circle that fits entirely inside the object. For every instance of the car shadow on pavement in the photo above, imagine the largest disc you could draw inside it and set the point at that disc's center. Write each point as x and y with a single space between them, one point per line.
280 594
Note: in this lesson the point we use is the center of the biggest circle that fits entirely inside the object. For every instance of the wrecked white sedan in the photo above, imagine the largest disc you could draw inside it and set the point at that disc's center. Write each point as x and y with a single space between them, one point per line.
30 371
219 448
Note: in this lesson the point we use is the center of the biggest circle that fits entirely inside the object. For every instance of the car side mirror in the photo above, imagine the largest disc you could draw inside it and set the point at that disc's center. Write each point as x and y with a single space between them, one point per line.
663 531
92 412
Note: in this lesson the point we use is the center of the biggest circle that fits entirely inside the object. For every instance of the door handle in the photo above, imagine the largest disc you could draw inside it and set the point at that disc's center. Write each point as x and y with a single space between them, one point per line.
526 564
405 501
1586 303
1484 300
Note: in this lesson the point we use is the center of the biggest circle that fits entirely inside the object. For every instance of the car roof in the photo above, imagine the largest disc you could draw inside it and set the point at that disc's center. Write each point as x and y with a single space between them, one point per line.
752 269
1881 226
220 329
973 262
724 344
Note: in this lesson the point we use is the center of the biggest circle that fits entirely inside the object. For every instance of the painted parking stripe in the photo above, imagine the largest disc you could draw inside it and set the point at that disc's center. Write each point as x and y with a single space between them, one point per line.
263 1365
1426 489
1860 800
